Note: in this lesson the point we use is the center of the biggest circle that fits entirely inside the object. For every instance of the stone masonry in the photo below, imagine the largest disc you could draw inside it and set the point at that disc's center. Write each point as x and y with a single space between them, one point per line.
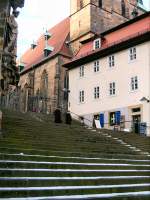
88 18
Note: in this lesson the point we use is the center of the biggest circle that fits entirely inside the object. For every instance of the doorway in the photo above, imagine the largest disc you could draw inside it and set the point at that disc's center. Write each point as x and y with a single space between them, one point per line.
136 119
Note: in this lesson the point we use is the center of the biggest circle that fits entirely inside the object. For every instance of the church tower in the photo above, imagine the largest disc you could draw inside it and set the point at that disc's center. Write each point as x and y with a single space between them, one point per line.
89 17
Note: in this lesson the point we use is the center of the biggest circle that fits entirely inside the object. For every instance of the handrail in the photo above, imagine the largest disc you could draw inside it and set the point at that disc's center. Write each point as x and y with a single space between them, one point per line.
81 116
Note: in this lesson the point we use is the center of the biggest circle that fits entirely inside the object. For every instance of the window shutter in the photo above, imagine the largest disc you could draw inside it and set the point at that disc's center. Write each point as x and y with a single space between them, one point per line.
117 117
101 118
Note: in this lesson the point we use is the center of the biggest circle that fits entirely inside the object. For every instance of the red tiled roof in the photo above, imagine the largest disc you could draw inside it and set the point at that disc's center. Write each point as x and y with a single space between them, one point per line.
59 34
116 36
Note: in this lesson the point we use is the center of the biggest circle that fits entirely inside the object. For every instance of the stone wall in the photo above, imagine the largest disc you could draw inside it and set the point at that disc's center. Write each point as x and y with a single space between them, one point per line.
56 76
95 19
8 43
3 12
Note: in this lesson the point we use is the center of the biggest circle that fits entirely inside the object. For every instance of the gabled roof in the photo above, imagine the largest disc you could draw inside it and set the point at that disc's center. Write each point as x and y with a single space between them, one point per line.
114 40
59 34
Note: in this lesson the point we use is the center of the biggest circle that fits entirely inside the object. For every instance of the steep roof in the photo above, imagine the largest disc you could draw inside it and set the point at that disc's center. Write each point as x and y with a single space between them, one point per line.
113 40
59 34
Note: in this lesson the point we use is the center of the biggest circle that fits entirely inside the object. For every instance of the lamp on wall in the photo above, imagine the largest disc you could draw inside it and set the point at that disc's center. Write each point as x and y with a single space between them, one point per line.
66 90
144 99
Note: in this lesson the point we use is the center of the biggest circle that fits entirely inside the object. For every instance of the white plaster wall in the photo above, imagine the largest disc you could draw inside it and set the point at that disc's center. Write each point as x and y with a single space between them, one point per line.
121 73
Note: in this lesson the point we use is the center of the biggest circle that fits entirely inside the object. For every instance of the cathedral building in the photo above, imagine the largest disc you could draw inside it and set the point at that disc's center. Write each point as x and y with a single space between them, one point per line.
43 79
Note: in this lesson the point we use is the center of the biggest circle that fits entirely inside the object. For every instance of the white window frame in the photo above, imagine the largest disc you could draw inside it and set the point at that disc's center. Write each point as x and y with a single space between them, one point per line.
134 83
97 44
96 92
81 71
132 53
112 118
96 66
112 88
111 61
81 96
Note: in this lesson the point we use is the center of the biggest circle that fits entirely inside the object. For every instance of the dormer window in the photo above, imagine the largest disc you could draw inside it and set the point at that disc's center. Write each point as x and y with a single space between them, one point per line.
21 66
33 45
48 50
47 35
134 13
97 44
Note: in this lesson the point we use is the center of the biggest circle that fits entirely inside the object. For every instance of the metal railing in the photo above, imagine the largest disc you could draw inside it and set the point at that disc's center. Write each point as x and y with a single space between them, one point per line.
15 101
127 126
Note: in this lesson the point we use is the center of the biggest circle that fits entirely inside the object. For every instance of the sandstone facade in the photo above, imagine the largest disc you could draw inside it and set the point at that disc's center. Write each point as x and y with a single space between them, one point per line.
8 43
89 17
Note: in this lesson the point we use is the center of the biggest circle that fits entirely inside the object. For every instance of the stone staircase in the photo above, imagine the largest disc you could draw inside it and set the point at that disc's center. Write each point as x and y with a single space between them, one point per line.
42 160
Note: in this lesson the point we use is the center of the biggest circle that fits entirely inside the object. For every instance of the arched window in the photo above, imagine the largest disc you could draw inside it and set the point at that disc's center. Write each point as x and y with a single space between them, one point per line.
31 80
123 8
44 84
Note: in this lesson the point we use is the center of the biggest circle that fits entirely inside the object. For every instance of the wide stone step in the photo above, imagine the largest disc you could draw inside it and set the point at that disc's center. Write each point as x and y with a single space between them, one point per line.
65 173
76 178
71 168
71 153
22 156
59 162
89 191
119 196
64 163
70 181
76 170
84 187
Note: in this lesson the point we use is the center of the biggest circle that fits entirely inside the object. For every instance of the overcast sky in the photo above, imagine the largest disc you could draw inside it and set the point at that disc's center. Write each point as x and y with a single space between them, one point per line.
37 15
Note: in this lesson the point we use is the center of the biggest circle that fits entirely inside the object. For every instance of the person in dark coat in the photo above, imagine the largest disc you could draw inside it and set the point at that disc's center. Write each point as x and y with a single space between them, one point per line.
57 115
68 118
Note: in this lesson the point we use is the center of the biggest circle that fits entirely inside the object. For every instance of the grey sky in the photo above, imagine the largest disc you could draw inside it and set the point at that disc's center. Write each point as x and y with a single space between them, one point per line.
37 15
